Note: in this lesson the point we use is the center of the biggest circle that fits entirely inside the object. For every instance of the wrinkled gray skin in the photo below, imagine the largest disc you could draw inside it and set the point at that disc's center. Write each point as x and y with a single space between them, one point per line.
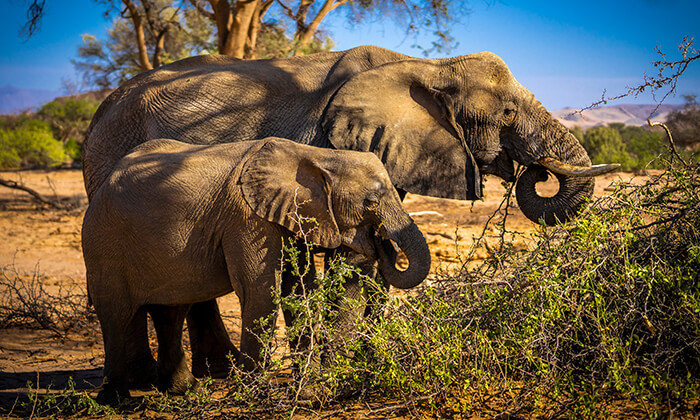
436 124
177 224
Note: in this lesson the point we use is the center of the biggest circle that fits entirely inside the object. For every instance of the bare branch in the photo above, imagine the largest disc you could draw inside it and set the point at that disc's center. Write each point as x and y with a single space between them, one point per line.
204 12
670 139
17 186
35 12
659 81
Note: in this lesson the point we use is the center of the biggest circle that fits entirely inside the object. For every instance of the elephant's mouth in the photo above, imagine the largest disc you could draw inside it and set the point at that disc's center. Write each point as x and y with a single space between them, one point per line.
389 251
387 247
503 166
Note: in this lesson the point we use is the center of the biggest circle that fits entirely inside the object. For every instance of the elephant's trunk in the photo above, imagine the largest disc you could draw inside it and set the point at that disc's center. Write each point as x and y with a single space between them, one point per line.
412 243
552 143
573 193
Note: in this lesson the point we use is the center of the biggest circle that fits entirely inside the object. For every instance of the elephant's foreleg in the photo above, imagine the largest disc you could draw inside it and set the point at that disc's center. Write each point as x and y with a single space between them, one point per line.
361 299
259 316
209 341
173 374
298 286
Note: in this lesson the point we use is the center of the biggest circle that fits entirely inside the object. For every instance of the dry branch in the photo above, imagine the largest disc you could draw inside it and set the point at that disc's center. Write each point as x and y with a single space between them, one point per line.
17 186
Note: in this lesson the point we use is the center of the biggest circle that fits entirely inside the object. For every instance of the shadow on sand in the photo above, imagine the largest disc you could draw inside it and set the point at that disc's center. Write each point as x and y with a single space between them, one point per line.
14 388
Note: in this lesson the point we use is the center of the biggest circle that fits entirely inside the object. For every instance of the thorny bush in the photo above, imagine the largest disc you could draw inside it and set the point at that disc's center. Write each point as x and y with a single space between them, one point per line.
600 314
25 302
600 317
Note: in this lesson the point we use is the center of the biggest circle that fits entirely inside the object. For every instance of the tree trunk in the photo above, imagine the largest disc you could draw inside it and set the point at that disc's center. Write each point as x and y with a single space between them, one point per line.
158 52
307 32
242 18
144 63
223 19
254 29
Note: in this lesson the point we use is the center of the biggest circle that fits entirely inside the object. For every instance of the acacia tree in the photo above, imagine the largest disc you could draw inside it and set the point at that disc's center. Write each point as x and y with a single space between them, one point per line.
151 21
238 22
107 63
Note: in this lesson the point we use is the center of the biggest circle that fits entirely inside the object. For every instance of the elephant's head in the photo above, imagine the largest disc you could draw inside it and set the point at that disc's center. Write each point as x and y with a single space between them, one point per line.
336 198
438 125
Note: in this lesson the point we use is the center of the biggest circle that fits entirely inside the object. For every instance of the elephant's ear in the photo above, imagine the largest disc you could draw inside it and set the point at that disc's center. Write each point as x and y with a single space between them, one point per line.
403 113
282 184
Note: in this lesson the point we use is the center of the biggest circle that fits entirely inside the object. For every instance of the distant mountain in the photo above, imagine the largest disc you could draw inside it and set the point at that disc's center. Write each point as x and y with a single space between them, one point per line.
13 100
627 114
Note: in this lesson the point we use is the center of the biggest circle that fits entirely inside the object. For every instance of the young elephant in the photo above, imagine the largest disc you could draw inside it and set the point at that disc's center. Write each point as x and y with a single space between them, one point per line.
177 224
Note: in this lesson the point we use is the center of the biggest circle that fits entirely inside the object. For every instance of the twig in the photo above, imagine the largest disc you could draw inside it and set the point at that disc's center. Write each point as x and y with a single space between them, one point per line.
36 397
654 83
17 186
672 145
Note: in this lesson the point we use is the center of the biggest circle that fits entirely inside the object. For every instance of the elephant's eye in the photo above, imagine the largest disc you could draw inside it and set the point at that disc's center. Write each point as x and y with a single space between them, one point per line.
371 203
509 115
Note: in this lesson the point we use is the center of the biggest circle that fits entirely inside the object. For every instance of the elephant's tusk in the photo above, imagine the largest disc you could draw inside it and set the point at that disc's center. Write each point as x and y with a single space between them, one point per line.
571 170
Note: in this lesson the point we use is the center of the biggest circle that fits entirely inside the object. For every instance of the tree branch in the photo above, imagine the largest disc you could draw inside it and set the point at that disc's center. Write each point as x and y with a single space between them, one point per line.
144 62
672 145
308 32
17 186
660 80
35 12
201 10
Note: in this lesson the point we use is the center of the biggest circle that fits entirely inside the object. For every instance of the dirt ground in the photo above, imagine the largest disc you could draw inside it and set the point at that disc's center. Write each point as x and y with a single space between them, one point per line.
36 239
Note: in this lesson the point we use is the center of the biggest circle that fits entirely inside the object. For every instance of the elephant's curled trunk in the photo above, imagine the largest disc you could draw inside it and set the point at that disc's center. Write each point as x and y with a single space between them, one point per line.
414 246
566 158
573 194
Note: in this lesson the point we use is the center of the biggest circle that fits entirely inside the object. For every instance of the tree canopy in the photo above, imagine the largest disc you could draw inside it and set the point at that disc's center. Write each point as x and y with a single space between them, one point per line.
148 33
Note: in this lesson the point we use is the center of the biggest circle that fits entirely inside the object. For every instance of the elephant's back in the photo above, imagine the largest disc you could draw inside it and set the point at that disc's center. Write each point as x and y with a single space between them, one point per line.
214 99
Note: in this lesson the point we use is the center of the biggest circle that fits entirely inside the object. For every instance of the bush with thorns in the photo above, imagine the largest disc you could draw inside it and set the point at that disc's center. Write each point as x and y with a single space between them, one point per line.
25 303
601 314
600 317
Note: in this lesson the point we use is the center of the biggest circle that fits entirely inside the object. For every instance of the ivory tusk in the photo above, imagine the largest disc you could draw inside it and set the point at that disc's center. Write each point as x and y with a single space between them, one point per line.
570 170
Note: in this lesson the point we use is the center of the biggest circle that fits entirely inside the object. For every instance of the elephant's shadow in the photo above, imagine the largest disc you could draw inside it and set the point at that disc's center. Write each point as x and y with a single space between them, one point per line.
14 388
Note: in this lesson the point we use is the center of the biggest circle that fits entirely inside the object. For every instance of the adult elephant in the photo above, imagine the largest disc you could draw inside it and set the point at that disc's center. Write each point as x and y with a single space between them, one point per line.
436 124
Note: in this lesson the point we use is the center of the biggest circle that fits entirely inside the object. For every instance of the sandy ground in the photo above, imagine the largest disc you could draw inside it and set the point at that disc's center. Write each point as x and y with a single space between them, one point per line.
35 239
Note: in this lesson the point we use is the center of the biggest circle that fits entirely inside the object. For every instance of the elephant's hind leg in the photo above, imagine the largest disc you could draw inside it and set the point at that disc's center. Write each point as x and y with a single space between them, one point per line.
173 374
115 325
140 361
212 349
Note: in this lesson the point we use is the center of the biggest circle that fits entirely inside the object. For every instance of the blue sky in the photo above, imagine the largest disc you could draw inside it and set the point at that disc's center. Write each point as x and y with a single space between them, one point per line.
566 53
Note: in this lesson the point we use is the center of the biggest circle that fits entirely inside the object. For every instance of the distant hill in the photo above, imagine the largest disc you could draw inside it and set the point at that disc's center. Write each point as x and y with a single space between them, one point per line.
13 100
627 114
95 95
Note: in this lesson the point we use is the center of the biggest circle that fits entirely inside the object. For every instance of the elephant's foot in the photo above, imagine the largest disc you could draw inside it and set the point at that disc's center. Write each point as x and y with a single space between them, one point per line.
213 353
178 381
143 372
112 395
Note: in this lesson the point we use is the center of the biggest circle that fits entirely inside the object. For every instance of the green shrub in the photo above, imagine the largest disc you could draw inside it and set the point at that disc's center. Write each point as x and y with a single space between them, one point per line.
29 145
605 145
52 136
73 149
634 148
69 117
603 314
